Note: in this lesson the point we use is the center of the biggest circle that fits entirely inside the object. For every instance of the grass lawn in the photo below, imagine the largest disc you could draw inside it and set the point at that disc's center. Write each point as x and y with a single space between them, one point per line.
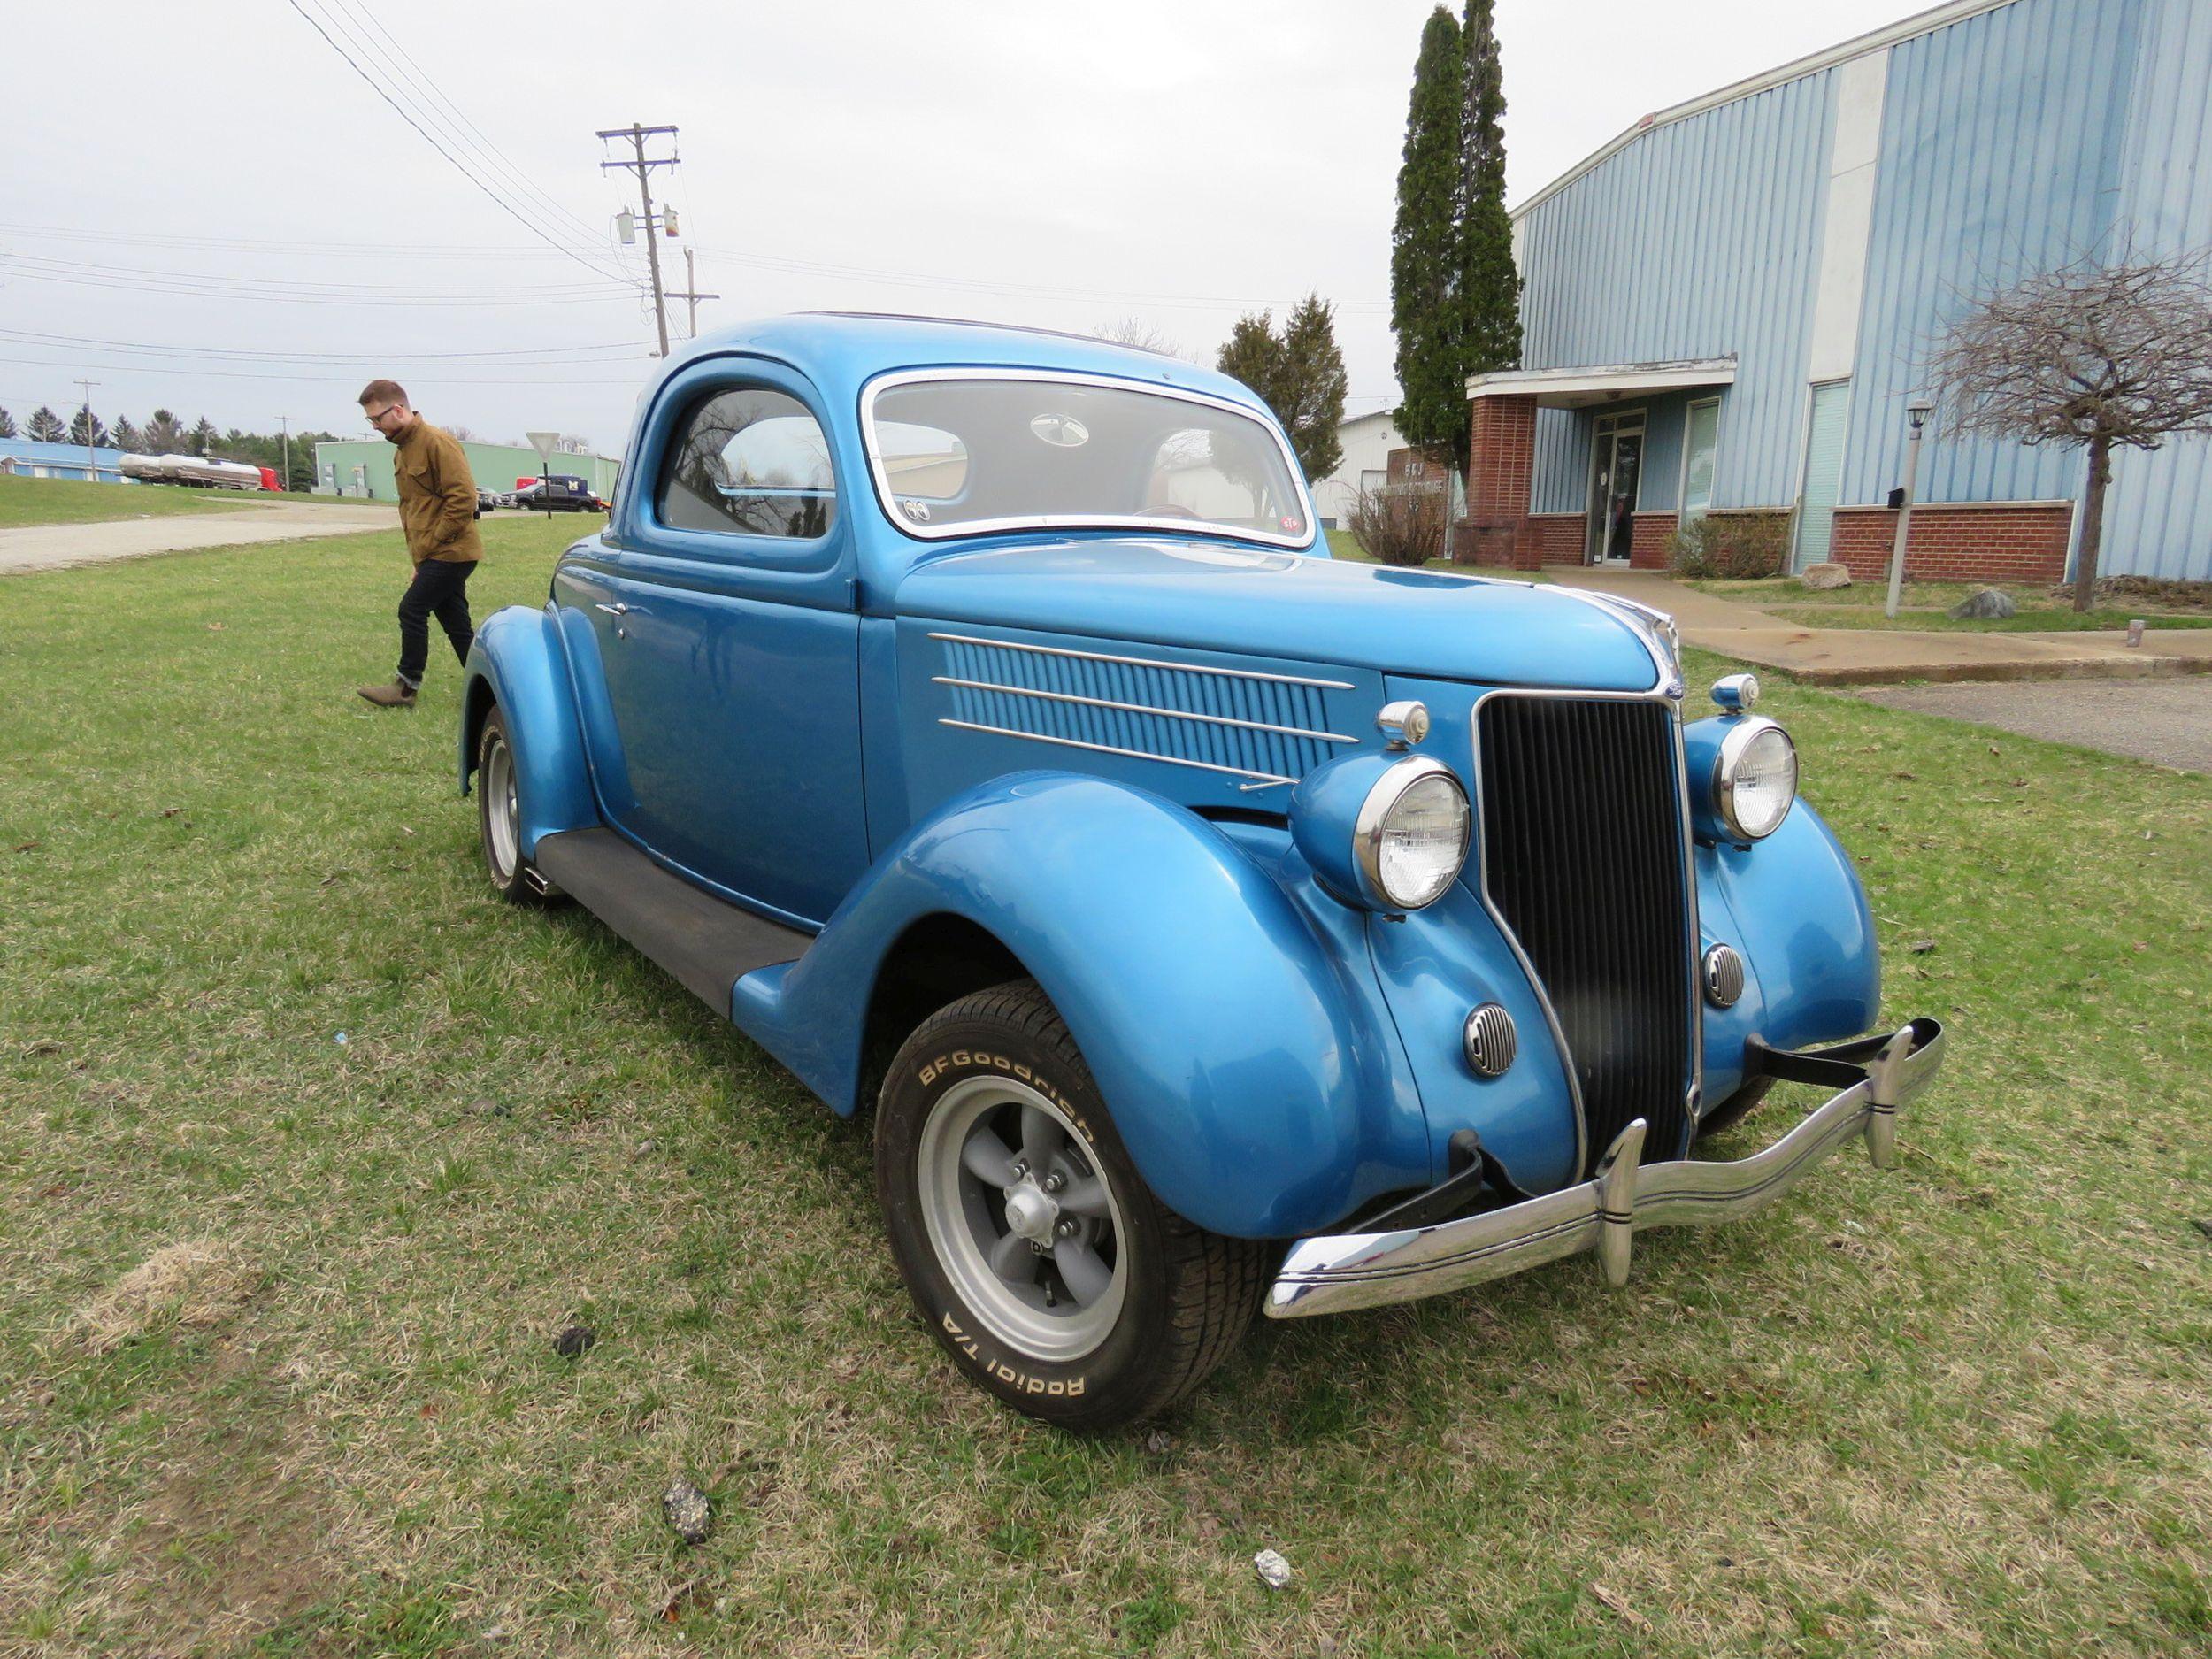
1925 606
28 501
308 1150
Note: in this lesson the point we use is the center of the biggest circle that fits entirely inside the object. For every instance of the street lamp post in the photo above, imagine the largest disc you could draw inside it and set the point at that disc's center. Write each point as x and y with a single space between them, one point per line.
1916 415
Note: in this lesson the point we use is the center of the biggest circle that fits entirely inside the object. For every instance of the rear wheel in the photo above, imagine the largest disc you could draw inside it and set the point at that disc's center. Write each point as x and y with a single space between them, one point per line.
499 817
1033 1247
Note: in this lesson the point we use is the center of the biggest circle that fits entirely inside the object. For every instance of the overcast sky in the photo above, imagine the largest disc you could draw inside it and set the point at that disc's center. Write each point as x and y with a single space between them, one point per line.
206 208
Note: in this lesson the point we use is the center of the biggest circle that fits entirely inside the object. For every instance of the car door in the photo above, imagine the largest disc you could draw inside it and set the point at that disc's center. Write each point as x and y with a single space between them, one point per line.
716 648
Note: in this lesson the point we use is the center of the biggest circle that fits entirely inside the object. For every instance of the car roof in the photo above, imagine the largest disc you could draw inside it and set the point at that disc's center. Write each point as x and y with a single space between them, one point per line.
841 350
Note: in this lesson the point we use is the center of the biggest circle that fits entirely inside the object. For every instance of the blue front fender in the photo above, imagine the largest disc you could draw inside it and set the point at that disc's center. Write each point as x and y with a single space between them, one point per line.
517 661
1261 1093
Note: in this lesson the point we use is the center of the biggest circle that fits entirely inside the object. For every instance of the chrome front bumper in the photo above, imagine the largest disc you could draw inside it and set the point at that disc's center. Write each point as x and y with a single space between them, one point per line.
1876 1075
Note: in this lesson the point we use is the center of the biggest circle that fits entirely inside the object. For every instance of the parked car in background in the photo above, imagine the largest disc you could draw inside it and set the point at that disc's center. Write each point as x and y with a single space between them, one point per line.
487 500
976 717
561 492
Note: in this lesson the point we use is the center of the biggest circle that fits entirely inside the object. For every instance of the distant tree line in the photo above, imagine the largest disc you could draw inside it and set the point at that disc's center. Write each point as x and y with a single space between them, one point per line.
164 433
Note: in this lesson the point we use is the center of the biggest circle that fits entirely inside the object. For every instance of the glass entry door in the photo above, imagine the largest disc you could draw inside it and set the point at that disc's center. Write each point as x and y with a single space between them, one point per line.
1617 464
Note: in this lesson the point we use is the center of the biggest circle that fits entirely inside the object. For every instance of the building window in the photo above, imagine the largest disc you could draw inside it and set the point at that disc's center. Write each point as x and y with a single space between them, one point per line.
1698 445
1823 471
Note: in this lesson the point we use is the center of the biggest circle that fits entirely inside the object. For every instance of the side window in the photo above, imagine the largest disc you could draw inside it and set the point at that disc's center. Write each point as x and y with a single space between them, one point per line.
749 461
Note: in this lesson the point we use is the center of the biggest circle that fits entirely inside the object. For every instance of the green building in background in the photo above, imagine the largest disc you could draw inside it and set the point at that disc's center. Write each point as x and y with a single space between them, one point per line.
362 467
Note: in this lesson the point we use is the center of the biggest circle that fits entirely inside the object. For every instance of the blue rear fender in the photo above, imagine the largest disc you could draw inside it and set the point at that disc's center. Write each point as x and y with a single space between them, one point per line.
517 661
1259 1089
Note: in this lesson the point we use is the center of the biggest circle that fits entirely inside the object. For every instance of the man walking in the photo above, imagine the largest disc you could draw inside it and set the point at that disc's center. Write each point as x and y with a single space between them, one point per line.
437 511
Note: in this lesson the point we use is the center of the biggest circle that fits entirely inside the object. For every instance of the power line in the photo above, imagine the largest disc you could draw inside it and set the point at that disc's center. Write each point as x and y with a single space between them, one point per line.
196 372
344 289
616 348
267 297
534 229
447 115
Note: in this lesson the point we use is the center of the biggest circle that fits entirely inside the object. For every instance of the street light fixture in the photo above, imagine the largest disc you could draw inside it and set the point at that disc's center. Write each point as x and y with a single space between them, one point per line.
1917 413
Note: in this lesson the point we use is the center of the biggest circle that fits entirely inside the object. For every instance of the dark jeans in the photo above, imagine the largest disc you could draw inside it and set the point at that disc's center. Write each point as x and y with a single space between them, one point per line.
441 588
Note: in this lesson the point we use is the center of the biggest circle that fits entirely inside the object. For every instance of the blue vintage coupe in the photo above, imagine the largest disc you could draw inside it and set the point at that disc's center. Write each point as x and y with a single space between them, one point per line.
976 717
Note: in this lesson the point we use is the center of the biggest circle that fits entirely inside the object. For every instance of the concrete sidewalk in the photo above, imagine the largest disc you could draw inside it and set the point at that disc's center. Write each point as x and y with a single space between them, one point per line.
1877 657
48 547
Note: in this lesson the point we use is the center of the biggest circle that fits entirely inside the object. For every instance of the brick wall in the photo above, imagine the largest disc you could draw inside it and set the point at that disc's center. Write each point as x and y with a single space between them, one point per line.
1501 467
1501 461
1558 537
1648 536
1959 542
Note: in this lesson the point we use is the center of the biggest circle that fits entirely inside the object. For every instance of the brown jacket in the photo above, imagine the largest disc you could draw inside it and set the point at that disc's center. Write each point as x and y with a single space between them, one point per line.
437 496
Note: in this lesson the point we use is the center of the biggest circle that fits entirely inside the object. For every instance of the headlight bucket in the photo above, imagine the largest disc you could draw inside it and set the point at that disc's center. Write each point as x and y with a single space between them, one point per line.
1383 832
1755 778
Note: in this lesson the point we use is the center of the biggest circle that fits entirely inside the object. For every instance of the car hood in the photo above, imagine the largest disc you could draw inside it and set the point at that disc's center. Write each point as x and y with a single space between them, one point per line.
1215 597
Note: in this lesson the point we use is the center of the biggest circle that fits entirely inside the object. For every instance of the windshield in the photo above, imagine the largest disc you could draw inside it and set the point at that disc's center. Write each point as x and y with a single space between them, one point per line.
955 453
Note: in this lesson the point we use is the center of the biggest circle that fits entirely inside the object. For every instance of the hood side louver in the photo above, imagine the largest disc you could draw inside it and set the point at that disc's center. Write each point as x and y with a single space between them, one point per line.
1260 728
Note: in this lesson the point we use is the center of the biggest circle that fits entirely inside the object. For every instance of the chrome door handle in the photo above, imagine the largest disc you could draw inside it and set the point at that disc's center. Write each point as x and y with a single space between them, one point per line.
613 610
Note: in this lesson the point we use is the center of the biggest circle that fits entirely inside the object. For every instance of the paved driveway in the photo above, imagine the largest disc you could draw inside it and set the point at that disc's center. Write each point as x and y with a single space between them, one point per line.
2166 721
48 546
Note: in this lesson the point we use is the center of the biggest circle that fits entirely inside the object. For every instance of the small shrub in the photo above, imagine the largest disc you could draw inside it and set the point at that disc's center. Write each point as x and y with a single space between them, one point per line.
1735 547
1399 523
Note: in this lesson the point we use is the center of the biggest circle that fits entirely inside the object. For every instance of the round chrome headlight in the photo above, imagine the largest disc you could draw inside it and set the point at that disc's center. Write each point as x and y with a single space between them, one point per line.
1411 836
1755 779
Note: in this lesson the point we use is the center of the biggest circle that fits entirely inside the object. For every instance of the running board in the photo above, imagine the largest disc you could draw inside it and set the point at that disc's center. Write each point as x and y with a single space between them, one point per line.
707 943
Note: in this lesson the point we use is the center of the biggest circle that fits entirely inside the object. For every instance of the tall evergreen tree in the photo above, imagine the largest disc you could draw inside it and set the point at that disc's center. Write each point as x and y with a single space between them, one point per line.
1299 375
163 434
1489 286
85 427
46 426
1425 248
198 441
1313 386
127 436
7 425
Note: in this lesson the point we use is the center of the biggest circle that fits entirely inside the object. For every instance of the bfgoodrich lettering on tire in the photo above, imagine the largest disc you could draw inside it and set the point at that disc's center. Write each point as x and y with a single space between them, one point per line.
1033 1249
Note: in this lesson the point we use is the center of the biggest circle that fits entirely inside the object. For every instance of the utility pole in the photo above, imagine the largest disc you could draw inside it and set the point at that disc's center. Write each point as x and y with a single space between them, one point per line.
284 423
643 166
691 283
91 461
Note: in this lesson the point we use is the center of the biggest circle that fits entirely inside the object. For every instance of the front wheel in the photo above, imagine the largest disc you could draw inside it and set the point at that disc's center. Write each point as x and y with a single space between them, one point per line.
1036 1253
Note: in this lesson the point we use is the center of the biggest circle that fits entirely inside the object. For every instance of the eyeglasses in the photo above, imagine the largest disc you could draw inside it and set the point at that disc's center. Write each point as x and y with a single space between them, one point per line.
376 417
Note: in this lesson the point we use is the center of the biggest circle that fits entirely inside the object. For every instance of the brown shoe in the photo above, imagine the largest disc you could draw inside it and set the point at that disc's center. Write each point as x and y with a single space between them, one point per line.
395 693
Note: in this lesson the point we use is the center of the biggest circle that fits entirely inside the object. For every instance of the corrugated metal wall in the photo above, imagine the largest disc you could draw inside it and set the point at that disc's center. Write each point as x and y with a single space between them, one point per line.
2011 141
2158 521
1697 239
2000 157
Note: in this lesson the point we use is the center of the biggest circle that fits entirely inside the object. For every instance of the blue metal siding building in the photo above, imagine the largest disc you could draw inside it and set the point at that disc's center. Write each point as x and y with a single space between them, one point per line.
1788 252
26 457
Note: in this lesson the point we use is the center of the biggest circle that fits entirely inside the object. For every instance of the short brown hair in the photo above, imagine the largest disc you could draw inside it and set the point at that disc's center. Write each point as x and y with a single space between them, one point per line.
382 391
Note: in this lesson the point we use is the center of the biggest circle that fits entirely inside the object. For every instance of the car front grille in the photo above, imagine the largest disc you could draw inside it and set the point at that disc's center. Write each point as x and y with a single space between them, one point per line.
1582 856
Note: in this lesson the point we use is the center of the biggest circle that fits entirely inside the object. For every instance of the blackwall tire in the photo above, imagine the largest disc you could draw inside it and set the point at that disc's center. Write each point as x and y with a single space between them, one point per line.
499 817
991 1141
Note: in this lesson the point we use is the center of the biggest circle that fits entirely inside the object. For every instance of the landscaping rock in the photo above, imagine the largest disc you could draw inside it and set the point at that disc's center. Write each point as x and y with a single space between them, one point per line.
1274 1569
1989 603
1825 576
687 1511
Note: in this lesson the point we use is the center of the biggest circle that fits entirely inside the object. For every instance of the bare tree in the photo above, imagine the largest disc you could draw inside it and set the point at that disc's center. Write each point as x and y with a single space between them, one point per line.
1134 331
2104 353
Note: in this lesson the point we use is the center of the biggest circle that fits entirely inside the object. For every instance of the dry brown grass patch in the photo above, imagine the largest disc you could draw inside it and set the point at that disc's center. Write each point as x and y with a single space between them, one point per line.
194 1283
